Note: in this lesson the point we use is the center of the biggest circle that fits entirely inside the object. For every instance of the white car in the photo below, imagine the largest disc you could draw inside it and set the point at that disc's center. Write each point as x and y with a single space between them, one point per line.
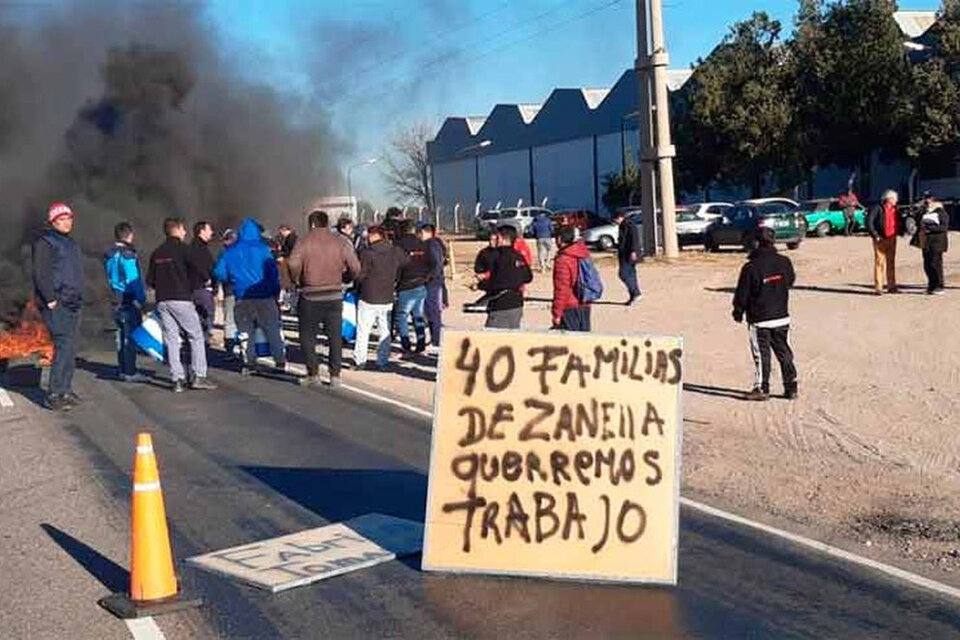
606 236
520 219
693 220
706 210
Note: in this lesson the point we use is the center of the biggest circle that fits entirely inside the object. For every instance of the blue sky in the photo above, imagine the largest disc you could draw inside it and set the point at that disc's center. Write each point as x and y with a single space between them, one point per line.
375 65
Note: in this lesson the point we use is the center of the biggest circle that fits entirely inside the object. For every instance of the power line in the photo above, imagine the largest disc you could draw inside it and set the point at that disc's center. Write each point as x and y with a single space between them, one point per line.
437 61
349 97
377 64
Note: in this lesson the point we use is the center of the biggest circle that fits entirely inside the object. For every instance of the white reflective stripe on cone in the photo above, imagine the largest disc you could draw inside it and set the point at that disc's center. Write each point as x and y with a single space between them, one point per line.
146 486
145 448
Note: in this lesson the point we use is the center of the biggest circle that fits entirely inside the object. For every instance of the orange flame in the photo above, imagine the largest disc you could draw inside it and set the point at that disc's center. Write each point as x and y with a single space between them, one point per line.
30 337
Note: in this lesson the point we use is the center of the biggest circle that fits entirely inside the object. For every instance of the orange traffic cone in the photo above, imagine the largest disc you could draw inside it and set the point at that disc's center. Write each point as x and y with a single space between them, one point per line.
153 583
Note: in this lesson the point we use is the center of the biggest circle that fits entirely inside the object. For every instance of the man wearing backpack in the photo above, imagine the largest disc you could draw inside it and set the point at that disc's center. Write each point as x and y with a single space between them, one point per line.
576 283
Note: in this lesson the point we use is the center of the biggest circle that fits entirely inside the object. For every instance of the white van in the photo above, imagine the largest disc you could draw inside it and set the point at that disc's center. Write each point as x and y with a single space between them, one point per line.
337 207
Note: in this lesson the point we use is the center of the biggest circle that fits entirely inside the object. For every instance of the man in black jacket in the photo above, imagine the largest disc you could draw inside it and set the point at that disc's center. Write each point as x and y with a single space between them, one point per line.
508 271
380 266
628 255
171 274
932 238
763 295
58 283
412 287
203 275
436 286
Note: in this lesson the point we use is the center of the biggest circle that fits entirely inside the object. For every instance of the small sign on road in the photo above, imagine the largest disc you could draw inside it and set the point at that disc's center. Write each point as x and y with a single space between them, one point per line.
316 554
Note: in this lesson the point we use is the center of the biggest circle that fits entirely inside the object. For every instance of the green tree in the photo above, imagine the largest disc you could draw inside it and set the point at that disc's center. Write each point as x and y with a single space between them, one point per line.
737 110
622 189
861 92
808 70
934 120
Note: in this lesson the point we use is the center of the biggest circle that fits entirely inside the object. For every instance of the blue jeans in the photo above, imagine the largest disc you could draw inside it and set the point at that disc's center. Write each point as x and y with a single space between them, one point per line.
577 319
410 302
127 318
628 275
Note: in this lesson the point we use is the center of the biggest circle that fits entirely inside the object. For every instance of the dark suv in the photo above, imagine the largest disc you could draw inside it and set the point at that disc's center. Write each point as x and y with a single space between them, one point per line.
740 225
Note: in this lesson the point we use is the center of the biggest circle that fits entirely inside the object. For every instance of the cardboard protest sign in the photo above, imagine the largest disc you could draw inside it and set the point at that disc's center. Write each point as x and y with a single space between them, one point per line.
556 454
316 554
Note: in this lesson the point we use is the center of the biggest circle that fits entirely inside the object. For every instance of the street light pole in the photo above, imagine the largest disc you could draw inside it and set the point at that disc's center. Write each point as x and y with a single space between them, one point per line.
475 148
350 169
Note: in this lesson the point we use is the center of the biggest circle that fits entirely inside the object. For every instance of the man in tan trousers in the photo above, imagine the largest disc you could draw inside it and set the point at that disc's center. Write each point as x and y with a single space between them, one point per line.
883 224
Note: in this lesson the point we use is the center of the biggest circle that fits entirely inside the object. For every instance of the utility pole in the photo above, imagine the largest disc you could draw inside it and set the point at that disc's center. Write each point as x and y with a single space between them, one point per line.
651 68
648 185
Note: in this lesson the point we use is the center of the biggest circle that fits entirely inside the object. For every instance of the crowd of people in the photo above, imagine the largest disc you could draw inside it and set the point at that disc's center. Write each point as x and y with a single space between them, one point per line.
394 272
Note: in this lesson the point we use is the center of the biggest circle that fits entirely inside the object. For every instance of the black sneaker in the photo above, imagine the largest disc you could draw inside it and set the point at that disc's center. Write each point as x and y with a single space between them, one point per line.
757 395
178 386
791 394
202 384
58 402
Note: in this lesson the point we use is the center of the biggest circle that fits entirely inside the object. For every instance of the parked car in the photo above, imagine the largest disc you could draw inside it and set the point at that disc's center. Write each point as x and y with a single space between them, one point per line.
740 225
706 210
825 216
691 225
579 218
520 219
606 236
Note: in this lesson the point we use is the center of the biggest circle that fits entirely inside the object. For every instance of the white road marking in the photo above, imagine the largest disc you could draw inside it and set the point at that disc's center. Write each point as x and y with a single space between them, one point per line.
5 399
827 549
144 629
816 545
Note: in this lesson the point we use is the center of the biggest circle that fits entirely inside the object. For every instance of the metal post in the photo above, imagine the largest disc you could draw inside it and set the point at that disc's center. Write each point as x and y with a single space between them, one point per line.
533 196
456 218
476 174
648 200
665 150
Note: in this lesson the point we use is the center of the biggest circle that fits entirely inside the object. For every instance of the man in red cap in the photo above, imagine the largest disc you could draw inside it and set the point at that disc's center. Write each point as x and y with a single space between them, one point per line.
58 283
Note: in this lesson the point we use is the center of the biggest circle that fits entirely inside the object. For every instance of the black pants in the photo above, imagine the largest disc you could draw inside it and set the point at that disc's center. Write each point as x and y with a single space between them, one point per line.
314 313
577 319
933 267
762 340
63 325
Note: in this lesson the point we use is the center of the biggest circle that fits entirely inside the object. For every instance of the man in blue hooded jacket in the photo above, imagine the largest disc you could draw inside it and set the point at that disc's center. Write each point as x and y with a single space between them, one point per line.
122 266
250 268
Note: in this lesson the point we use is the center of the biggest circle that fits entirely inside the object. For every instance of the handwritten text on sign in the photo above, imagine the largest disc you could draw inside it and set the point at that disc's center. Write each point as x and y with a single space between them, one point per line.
557 455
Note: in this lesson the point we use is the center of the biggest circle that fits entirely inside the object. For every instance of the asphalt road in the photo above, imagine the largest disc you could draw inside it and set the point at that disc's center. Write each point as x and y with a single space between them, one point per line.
262 457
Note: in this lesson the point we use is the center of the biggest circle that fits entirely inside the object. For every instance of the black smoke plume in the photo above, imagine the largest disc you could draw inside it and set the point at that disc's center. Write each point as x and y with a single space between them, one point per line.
131 111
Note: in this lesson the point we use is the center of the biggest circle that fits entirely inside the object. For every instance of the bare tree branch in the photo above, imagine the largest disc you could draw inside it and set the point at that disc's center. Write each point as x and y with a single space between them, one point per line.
406 168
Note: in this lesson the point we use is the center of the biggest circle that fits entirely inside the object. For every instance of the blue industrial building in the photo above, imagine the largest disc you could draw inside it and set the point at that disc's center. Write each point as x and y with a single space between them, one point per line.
560 150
